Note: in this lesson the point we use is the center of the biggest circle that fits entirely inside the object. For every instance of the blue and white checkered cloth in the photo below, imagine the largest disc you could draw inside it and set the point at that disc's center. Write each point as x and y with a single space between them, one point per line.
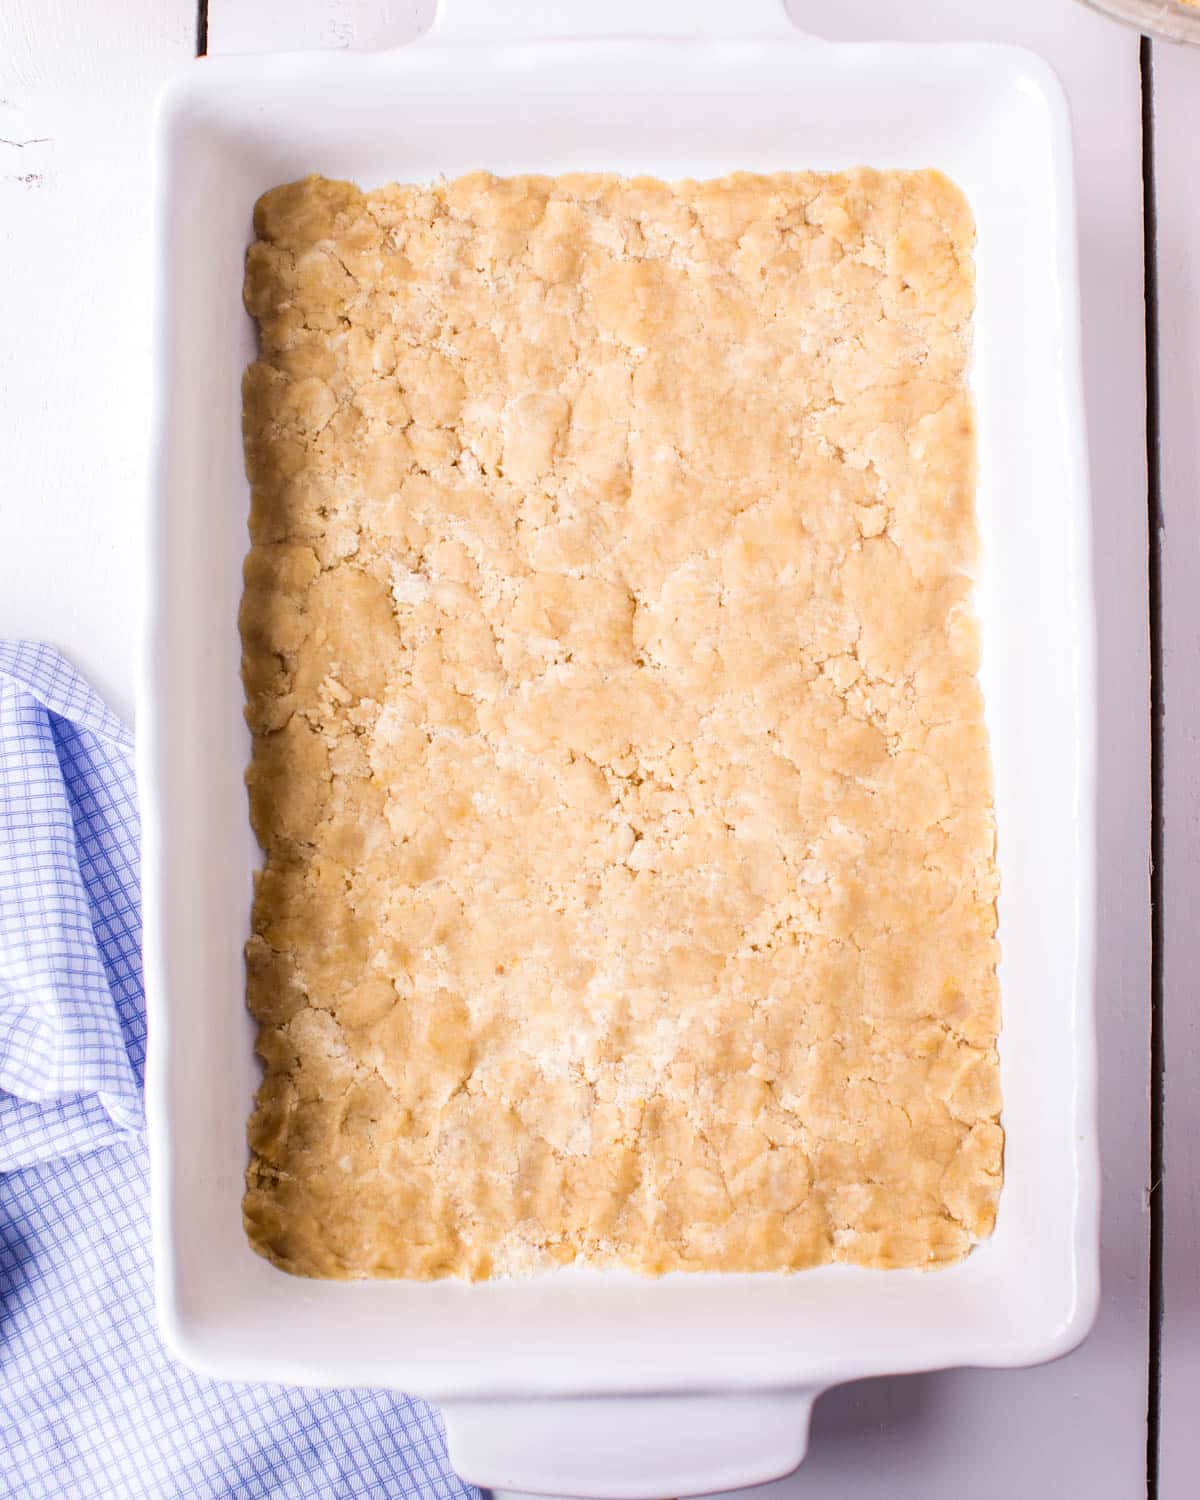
90 1405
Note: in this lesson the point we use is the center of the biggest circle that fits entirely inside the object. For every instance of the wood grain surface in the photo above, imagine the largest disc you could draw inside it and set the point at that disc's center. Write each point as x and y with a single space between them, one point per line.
76 91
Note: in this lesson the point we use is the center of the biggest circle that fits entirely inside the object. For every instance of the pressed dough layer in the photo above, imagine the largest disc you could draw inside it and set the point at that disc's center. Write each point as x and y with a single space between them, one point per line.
619 763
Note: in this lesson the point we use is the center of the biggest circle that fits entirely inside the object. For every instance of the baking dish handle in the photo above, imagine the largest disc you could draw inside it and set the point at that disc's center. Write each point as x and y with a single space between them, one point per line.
629 1447
525 20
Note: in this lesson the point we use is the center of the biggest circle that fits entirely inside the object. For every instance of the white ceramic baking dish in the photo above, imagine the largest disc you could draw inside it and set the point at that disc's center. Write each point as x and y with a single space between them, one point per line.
604 1383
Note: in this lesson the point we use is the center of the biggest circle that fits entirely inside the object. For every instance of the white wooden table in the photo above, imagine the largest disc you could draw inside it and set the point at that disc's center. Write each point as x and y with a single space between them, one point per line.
77 84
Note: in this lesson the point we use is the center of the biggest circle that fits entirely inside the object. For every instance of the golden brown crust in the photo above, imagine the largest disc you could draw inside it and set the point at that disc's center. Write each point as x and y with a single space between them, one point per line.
619 761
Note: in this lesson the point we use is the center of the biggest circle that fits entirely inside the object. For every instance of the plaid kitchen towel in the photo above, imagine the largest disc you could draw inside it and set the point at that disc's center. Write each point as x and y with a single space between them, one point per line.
90 1405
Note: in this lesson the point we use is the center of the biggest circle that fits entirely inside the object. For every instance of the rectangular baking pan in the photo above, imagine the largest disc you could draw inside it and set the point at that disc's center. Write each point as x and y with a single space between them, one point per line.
505 87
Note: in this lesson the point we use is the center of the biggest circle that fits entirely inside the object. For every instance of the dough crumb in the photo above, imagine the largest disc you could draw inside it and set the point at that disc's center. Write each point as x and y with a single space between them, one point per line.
629 892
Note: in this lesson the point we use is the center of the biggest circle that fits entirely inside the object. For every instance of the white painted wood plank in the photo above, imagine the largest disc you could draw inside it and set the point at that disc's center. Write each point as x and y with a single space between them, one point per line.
297 25
1077 1427
1177 137
77 86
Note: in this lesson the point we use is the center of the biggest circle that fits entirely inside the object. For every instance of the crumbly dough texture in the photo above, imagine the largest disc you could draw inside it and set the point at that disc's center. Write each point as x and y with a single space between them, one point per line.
629 892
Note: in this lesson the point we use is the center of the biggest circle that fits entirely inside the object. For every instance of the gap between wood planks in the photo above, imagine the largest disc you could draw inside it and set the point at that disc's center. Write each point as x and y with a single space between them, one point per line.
1154 569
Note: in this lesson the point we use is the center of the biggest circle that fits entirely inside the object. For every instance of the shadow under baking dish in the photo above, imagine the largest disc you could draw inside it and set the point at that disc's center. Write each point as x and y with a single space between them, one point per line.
995 121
